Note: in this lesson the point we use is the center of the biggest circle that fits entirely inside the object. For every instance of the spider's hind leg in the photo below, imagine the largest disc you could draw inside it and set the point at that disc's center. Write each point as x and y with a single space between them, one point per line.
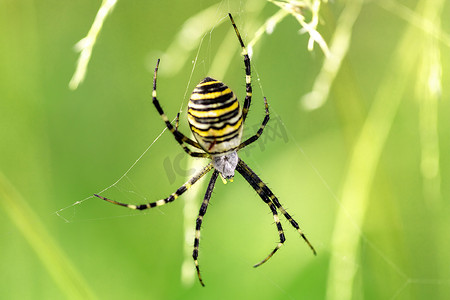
279 227
258 186
169 199
266 194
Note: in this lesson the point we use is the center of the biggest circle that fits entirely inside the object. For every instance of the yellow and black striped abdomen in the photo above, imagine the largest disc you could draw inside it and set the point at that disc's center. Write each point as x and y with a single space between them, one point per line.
215 117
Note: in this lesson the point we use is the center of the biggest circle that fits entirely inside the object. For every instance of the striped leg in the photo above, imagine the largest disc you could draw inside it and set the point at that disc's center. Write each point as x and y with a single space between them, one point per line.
265 190
181 138
198 224
177 121
260 130
257 185
288 217
171 198
248 73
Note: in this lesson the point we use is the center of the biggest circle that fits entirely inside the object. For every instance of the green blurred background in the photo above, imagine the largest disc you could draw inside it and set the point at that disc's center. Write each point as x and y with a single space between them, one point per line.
366 174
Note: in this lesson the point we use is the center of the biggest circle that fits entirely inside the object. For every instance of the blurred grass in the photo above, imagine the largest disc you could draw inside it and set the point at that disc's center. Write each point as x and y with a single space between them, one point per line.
55 261
59 147
367 152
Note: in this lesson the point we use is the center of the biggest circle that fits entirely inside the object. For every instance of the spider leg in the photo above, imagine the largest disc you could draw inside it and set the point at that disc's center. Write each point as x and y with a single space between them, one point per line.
260 130
199 221
289 218
171 198
177 121
263 190
248 73
280 231
257 186
181 138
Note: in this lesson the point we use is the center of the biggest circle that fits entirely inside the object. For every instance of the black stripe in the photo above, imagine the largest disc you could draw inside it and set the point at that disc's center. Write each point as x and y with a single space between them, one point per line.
216 127
228 104
181 190
215 87
158 107
145 206
213 120
247 65
213 100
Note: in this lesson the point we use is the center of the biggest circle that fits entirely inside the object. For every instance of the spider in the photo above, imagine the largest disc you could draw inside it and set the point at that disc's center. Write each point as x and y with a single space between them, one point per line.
216 121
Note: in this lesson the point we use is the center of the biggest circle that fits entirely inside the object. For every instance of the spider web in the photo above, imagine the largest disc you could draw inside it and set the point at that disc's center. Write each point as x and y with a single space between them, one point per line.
128 185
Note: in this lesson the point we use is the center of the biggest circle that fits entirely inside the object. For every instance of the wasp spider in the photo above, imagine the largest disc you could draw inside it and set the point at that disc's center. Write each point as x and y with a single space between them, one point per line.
216 121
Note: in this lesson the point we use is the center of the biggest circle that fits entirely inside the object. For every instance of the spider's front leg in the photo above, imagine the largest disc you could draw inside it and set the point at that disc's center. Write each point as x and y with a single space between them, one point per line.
179 137
248 72
260 130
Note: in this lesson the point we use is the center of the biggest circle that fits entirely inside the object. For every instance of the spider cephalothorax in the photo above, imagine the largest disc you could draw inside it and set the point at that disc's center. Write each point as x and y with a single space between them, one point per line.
217 121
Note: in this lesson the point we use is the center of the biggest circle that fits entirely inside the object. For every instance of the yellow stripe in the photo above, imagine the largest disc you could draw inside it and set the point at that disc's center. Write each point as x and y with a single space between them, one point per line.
218 132
212 95
213 112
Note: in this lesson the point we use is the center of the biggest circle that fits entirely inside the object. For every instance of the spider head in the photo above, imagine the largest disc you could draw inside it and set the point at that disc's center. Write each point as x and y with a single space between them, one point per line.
226 164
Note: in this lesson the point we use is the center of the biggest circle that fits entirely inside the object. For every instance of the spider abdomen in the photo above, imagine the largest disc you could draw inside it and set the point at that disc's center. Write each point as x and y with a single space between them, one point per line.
215 117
